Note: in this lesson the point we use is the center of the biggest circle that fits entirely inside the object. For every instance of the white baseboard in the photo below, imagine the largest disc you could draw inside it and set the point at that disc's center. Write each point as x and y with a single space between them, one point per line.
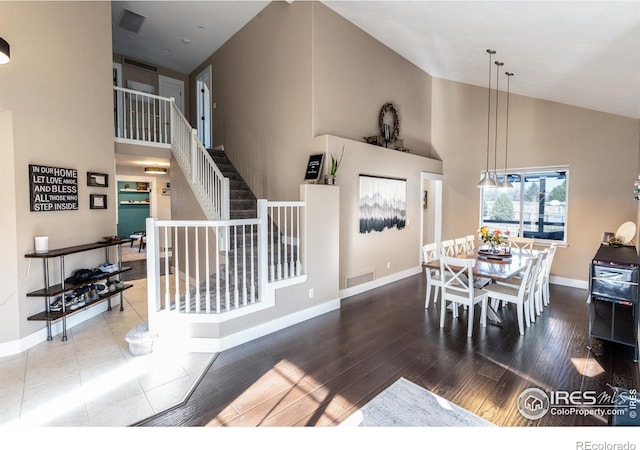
364 287
213 345
27 342
569 282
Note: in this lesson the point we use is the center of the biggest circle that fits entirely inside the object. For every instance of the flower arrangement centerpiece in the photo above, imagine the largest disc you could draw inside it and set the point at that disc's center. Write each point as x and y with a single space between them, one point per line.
493 238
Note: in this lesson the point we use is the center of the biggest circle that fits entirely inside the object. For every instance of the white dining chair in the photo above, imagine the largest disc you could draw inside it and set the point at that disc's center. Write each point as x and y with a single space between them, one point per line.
434 280
519 295
448 247
460 245
521 242
536 306
471 242
457 289
546 297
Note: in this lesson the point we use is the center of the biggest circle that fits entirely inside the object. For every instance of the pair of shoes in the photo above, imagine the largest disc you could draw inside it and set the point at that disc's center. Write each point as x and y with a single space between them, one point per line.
108 267
91 295
77 302
68 299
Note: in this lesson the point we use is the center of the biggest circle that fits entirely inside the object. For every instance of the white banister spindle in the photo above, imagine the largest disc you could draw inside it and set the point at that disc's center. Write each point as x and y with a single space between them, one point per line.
207 271
217 231
227 295
279 247
176 255
298 263
187 256
167 292
244 265
196 252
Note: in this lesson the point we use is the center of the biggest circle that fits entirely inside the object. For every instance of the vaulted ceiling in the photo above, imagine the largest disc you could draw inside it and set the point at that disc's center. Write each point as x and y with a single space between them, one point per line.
582 53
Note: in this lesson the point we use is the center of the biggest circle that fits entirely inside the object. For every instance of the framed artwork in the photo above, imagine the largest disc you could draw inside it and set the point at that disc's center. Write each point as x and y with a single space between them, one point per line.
97 179
97 201
383 203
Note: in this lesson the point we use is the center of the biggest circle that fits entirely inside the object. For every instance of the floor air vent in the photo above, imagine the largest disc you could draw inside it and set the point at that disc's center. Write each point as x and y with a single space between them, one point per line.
355 280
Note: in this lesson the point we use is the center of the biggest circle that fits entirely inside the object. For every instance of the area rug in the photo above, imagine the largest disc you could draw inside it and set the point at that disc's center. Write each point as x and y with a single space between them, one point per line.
138 270
405 404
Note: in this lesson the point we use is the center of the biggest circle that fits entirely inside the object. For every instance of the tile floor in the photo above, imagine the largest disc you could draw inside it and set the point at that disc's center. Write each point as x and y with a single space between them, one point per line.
92 380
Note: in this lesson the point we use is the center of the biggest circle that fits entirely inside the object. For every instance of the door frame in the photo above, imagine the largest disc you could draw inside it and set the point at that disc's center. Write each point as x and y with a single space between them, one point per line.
162 79
436 204
204 119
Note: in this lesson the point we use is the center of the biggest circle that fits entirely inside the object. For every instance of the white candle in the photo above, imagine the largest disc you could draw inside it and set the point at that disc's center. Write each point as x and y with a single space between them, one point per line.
42 244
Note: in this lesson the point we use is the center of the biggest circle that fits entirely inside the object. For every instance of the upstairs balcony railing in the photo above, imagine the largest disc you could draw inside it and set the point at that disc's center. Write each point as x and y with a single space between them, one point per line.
147 119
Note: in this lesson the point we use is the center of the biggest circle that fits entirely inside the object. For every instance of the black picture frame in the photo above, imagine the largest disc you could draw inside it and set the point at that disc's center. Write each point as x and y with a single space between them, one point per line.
96 179
97 201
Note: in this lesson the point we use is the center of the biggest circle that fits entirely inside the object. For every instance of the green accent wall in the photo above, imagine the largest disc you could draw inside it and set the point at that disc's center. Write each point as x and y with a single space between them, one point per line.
133 213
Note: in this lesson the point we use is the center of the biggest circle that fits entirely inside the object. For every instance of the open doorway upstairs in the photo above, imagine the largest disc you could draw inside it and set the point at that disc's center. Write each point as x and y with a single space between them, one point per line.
203 106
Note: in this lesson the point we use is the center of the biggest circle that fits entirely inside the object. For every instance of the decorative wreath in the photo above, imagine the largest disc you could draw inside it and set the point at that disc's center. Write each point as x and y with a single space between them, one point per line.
389 108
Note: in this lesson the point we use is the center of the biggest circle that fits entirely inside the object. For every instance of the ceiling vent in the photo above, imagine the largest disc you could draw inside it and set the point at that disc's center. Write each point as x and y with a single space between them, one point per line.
140 65
131 21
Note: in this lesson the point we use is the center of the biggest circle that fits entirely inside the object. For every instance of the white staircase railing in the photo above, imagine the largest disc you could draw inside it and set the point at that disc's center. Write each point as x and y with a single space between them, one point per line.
206 180
148 119
220 269
141 117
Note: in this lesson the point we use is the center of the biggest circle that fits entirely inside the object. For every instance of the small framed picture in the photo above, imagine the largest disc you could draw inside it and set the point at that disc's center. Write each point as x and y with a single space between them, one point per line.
97 201
97 179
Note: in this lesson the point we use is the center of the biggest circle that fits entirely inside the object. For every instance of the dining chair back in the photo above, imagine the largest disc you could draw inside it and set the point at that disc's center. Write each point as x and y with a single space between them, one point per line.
471 242
458 289
448 247
540 280
429 254
546 298
535 291
517 295
460 245
521 242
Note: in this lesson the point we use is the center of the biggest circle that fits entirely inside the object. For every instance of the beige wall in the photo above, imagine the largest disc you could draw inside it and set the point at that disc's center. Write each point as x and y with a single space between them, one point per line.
390 251
57 88
262 89
354 75
600 149
299 70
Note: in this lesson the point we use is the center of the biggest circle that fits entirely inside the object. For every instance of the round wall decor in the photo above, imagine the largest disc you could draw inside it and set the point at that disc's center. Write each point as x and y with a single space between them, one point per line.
389 108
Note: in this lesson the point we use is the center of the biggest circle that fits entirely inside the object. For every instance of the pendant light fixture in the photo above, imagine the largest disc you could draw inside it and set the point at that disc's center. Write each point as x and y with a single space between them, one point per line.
505 183
499 64
486 180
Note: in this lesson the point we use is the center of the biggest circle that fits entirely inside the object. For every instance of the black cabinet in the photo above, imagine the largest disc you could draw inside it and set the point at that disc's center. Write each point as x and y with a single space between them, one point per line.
613 296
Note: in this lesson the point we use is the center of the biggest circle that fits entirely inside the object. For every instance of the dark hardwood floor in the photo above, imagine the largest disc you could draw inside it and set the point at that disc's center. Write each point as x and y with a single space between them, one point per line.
321 371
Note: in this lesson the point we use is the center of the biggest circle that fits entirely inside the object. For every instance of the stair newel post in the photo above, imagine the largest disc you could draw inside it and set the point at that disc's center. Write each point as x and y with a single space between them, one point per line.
225 199
153 273
263 236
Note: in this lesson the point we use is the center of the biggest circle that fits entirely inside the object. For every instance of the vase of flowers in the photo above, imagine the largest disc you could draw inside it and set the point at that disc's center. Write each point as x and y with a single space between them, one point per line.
493 238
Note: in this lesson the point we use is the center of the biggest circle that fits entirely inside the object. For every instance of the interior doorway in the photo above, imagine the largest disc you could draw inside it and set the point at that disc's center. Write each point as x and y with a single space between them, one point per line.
431 218
203 106
170 87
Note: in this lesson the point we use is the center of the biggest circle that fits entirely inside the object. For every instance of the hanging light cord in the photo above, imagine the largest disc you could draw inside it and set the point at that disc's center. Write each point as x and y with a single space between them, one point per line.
495 150
506 139
491 53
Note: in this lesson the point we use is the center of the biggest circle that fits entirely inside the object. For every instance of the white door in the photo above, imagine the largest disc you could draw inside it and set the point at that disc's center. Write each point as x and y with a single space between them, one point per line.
203 96
170 87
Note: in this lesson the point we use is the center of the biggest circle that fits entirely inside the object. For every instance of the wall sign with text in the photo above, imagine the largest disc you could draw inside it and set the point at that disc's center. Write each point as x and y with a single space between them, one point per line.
53 188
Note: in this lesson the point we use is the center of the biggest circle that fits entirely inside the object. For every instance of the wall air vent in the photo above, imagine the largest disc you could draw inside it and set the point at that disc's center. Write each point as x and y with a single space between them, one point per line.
131 21
140 65
355 280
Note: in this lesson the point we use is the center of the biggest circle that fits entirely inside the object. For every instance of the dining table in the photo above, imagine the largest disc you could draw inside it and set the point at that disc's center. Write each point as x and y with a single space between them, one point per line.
493 267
